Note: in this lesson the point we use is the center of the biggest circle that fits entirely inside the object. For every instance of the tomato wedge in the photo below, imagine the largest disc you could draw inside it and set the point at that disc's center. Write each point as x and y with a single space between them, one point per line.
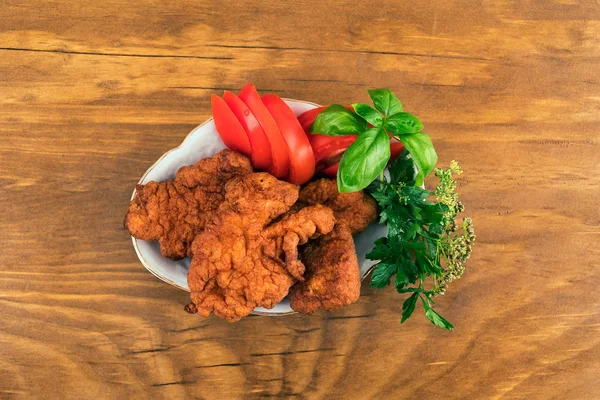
302 159
307 118
261 149
229 128
279 150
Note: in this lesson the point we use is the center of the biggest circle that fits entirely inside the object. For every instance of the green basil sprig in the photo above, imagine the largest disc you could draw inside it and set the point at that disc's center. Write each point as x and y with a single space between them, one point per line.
368 156
357 172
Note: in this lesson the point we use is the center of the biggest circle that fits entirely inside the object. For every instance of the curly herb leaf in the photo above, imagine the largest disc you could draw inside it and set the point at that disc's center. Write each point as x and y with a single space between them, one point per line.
425 247
382 275
409 306
436 318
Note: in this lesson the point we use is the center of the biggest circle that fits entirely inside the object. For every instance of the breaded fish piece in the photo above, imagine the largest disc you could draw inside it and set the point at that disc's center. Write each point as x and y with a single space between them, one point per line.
175 211
357 210
332 277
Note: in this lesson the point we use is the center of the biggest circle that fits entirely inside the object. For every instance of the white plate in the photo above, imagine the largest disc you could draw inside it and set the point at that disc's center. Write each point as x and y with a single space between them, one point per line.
203 142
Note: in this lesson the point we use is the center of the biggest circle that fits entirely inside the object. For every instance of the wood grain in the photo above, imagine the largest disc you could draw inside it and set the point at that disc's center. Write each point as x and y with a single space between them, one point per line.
93 93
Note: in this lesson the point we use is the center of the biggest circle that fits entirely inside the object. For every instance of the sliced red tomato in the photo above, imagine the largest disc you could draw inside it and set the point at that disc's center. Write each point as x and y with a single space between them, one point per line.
302 159
229 128
279 150
307 118
259 144
327 147
331 170
396 148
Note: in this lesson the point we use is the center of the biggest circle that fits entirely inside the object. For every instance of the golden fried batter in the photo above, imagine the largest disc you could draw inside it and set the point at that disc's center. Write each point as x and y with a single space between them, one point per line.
357 210
240 260
332 278
175 211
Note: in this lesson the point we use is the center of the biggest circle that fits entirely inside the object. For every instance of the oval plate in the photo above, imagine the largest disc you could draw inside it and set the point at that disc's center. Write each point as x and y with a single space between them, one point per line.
202 142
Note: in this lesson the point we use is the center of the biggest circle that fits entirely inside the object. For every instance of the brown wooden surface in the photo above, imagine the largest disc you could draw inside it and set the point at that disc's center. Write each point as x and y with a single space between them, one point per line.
92 93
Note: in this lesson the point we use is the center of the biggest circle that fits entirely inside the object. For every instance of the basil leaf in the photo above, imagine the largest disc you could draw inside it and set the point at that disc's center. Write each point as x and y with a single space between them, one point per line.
363 160
403 122
337 120
368 113
422 152
385 101
409 306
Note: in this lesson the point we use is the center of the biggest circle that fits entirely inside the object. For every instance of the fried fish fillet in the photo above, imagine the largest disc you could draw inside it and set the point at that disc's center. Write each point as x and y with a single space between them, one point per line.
357 210
242 259
332 277
175 211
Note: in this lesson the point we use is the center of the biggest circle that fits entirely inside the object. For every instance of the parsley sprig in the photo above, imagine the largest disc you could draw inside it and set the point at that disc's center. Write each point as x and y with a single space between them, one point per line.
426 247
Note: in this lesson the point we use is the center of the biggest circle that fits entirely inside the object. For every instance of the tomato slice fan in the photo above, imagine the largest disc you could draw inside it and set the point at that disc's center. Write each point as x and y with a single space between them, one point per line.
279 150
302 159
259 144
229 128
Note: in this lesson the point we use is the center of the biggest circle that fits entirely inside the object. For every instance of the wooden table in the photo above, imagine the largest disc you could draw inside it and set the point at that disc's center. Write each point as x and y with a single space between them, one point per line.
92 94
